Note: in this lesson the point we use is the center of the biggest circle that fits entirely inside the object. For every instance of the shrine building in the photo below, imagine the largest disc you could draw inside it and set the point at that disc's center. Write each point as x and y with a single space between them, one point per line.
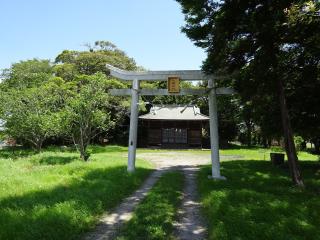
172 126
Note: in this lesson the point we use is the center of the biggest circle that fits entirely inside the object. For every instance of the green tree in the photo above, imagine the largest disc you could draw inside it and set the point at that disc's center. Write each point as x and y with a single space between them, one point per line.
71 65
68 99
93 60
85 115
301 62
250 38
32 115
228 116
28 73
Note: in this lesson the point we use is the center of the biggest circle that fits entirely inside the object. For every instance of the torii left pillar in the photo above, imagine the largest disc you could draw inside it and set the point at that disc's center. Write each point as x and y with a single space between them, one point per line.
133 125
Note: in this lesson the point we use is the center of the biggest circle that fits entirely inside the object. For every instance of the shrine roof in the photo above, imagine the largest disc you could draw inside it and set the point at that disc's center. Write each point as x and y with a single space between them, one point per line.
174 112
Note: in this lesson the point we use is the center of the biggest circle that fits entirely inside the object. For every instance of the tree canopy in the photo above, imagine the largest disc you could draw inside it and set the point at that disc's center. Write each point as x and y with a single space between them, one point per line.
67 99
270 51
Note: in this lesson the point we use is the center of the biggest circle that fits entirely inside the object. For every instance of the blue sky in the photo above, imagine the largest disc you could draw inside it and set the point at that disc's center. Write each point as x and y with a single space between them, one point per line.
147 30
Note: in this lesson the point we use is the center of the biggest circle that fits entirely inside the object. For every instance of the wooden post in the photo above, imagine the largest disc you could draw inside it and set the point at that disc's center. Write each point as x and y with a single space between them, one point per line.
214 135
133 126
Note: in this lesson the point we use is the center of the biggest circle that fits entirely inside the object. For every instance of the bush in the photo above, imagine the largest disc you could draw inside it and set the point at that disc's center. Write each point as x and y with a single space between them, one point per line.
277 149
299 143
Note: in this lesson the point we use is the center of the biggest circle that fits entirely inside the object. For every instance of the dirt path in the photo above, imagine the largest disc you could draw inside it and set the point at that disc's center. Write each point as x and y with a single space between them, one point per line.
110 223
190 225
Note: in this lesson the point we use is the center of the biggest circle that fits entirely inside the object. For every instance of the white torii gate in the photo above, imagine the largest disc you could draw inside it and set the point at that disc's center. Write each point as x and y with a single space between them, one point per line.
184 75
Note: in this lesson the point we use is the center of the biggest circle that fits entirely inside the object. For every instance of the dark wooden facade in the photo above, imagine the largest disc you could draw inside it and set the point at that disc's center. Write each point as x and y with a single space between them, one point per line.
170 133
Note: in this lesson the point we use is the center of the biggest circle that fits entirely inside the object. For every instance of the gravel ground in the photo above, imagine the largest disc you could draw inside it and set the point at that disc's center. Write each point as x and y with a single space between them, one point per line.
181 158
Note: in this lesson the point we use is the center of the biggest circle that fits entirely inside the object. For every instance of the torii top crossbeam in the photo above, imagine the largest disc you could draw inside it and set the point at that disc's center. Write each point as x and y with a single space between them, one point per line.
186 75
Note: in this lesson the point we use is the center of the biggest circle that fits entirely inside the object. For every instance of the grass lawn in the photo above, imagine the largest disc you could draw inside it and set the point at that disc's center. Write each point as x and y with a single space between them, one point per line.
258 202
257 153
55 195
154 217
242 153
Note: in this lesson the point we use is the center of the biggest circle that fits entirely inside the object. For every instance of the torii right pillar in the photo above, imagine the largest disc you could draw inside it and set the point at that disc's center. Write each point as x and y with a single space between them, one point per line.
214 134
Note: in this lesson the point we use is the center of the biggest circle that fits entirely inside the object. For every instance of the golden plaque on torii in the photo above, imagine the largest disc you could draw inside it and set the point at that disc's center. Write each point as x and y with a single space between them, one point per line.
173 84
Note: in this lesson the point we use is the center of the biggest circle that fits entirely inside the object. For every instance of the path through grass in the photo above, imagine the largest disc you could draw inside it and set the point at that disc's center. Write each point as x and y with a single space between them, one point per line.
154 217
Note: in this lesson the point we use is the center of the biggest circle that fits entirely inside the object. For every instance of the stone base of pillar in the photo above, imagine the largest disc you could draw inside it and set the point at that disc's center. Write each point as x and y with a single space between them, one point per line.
217 178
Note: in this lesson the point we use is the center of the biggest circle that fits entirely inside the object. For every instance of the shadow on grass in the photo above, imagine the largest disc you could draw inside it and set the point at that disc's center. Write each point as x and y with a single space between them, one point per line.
20 152
68 210
107 149
258 201
16 152
57 160
234 146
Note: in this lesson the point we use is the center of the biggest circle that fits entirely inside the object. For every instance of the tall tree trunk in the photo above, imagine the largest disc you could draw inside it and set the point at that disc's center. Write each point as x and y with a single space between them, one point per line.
83 152
269 141
37 145
288 138
316 143
82 148
249 131
264 142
